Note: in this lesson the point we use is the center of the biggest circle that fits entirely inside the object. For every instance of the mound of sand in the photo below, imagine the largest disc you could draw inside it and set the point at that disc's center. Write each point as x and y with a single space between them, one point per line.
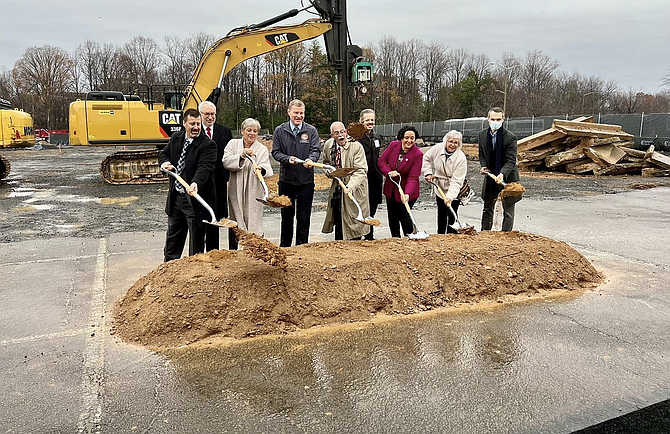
229 293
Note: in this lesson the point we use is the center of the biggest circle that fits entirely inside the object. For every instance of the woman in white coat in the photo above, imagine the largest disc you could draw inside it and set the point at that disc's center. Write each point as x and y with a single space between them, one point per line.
244 186
446 165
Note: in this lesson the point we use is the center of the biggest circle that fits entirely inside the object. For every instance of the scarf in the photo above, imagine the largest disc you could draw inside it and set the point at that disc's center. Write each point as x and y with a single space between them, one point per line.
495 159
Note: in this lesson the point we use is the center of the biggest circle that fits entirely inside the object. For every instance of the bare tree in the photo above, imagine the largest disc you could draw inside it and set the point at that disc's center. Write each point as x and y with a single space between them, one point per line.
434 74
88 56
176 68
44 74
198 44
458 61
536 79
142 58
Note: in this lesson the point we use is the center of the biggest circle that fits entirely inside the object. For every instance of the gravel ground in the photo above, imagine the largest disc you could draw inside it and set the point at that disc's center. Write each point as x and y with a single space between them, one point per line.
57 193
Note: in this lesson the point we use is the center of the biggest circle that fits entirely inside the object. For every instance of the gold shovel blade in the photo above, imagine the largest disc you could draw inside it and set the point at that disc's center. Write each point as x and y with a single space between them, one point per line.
223 223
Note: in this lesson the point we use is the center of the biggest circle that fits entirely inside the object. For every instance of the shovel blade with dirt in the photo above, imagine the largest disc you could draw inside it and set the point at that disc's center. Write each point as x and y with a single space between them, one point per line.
223 223
469 230
271 200
415 235
509 189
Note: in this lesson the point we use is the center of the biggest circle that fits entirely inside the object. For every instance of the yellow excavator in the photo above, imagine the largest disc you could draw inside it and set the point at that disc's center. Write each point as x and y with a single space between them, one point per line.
114 119
16 131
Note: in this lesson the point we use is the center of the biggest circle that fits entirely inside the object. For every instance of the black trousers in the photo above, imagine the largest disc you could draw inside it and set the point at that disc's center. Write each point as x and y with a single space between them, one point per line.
398 215
487 213
444 217
221 211
373 211
336 204
301 207
182 220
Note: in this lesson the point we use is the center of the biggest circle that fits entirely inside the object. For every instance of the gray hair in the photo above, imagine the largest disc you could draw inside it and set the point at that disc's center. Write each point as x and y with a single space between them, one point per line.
204 104
366 112
297 103
453 134
334 123
248 122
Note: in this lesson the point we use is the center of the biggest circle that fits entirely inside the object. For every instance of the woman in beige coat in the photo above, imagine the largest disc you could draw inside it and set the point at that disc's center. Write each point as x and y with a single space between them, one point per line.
341 211
244 186
445 164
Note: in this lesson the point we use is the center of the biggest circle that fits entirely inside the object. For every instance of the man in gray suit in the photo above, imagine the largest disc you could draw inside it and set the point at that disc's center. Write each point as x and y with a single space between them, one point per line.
497 155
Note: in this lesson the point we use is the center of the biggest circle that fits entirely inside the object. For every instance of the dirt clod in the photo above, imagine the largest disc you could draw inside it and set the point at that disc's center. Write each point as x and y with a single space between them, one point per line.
231 294
259 248
512 189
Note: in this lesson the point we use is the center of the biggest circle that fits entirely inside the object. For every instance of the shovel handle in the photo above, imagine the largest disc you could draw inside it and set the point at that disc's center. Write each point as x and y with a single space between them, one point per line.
344 187
495 178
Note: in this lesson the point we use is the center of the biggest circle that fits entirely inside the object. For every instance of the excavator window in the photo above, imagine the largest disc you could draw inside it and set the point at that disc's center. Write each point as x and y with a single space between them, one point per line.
104 96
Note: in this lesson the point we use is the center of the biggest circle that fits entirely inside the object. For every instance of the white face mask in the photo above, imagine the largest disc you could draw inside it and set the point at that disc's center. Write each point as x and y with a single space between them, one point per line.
495 125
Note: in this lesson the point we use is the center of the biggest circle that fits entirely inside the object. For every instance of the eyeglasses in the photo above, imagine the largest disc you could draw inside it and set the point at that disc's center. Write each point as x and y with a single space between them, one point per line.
453 142
339 132
208 114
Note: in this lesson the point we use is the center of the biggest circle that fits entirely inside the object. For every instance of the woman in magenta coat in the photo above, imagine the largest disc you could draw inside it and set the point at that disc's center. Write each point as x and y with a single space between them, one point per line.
401 157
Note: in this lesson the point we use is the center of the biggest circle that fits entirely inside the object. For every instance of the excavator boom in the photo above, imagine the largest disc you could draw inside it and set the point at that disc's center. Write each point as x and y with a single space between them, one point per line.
140 167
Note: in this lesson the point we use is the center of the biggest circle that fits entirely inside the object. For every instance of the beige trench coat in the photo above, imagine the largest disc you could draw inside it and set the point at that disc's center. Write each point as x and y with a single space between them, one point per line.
449 174
244 187
353 155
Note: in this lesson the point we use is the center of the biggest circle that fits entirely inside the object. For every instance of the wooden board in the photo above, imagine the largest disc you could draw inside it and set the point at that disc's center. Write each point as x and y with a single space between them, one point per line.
568 156
605 155
538 139
619 169
538 154
582 167
585 126
591 130
660 160
649 172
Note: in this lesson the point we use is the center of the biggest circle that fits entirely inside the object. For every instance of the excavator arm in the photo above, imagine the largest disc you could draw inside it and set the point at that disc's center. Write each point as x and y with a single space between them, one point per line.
239 46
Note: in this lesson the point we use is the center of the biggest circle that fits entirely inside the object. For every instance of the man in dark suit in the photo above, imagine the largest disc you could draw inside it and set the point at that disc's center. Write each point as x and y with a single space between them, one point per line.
497 155
221 135
372 143
192 156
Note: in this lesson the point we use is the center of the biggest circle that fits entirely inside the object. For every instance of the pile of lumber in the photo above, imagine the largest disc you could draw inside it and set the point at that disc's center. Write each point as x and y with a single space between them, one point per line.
583 147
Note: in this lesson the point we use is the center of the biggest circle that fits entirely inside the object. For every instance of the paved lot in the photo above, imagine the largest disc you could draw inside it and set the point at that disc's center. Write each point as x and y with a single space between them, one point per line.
549 366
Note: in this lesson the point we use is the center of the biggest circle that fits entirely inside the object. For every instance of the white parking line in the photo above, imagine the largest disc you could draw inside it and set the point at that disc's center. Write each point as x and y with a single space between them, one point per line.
34 338
94 354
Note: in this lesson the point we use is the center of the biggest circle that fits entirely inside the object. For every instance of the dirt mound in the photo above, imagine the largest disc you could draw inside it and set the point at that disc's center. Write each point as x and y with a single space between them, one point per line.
229 293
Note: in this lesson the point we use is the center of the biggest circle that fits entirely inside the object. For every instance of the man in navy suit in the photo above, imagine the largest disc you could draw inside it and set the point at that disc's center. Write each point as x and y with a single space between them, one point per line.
221 135
192 155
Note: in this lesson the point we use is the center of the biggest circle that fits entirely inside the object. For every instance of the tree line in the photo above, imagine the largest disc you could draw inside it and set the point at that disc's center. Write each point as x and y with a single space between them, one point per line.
414 81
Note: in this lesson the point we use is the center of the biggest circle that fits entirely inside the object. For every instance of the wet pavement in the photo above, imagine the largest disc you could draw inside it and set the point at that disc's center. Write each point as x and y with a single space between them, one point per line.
554 365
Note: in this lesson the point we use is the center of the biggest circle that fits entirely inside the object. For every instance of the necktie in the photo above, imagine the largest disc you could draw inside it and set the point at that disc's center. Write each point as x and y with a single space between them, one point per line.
493 142
295 131
338 157
209 132
181 164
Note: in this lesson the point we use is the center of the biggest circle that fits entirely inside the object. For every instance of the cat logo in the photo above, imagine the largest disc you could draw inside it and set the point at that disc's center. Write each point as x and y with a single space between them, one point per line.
171 118
281 39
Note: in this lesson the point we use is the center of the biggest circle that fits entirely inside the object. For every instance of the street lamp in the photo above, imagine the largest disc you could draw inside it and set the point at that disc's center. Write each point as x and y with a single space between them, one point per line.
584 97
507 69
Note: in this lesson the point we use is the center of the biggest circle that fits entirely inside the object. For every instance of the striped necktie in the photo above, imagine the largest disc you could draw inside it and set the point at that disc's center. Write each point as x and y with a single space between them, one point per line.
209 132
181 164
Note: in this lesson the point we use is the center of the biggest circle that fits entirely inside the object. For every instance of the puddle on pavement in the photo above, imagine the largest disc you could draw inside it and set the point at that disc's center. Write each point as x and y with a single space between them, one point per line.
356 363
32 208
121 201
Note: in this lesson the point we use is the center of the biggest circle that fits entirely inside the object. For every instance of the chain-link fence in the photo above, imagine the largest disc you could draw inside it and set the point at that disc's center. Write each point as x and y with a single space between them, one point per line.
647 128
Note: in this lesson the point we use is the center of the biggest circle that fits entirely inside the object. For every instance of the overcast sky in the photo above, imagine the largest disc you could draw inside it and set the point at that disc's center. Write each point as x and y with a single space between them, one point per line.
623 40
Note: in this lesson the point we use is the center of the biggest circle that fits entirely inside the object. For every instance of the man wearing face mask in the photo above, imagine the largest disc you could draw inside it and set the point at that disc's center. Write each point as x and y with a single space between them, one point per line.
497 155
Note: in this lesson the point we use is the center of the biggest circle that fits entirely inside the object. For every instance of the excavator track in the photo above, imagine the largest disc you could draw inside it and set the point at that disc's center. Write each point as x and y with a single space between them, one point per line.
132 167
5 167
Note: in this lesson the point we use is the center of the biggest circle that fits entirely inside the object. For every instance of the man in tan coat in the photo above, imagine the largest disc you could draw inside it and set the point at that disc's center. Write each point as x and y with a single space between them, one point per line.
339 152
